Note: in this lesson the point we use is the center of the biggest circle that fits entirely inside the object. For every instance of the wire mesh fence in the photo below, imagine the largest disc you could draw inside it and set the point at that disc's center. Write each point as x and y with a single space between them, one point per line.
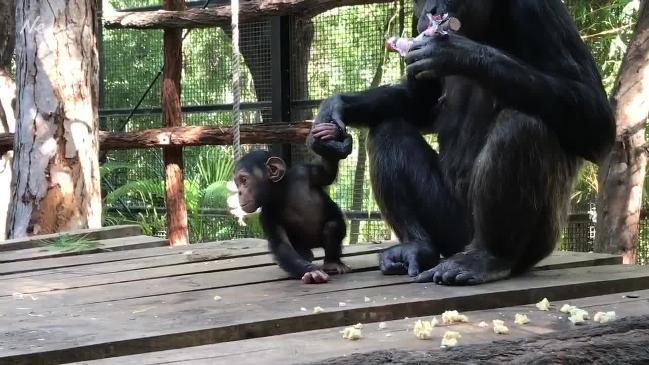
341 50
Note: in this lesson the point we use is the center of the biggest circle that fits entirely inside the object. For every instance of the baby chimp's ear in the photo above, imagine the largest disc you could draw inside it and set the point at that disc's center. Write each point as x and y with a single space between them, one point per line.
276 169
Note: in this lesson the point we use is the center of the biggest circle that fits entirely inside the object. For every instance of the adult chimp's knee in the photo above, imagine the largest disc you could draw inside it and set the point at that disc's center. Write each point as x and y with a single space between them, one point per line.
520 190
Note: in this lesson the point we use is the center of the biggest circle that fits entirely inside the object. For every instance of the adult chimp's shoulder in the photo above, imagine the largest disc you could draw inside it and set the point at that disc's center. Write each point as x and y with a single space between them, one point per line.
544 35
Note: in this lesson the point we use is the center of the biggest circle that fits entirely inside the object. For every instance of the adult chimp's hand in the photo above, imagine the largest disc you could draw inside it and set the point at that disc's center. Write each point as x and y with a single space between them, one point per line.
328 137
411 258
444 55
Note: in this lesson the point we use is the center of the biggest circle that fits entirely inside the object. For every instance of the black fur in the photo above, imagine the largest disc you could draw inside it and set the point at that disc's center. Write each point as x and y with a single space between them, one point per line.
517 102
297 214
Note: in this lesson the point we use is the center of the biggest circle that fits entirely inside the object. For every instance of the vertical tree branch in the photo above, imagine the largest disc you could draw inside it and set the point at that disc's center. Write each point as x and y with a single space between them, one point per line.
7 96
621 175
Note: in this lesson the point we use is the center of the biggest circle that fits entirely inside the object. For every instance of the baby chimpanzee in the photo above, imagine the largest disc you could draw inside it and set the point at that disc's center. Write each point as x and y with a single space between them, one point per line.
296 213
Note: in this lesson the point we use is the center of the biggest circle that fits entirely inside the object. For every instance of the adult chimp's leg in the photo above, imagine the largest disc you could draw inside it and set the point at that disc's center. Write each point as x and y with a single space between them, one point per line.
413 199
519 193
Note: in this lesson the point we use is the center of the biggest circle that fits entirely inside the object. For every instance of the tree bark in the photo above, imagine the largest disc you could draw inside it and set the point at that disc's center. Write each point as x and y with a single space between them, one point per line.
193 136
220 15
56 168
622 173
7 97
177 228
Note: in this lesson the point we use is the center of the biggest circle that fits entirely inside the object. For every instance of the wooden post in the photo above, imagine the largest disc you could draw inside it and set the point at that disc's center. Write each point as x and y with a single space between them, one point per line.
56 171
178 233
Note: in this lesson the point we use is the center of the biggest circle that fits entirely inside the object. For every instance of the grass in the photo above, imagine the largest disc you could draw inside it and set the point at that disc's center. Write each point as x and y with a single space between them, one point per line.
70 243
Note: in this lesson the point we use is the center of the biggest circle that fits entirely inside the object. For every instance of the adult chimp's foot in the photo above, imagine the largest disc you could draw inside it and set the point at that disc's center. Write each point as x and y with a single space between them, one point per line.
473 267
407 258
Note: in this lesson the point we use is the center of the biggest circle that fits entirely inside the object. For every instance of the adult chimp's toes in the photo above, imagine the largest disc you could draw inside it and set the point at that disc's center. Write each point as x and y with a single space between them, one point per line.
448 277
425 277
468 268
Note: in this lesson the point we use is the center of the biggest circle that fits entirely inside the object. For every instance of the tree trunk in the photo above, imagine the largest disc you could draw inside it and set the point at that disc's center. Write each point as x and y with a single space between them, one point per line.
56 168
622 173
7 96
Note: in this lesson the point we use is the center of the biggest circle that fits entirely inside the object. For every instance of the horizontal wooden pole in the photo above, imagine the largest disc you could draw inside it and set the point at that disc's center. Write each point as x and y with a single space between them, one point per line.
250 11
267 133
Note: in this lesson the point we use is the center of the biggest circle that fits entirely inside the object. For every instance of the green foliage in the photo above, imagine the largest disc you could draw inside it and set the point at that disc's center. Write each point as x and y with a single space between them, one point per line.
213 165
216 195
205 188
145 192
606 26
585 189
70 243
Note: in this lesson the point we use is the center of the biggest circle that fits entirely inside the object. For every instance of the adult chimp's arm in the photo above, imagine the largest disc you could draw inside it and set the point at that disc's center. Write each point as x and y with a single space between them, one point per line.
323 173
411 100
575 107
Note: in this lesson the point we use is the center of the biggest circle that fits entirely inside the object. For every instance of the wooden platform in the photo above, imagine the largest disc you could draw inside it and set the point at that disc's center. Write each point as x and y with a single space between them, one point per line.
224 302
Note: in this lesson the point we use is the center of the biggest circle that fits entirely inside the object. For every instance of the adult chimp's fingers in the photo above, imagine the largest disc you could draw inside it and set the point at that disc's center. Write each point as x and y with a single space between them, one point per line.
422 69
393 261
321 127
391 265
393 268
418 53
325 131
413 266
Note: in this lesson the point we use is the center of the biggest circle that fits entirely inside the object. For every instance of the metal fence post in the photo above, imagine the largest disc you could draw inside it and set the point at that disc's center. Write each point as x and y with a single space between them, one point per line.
281 78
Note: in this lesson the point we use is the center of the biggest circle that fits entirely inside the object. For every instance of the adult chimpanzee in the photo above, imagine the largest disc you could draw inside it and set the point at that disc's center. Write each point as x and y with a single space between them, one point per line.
517 102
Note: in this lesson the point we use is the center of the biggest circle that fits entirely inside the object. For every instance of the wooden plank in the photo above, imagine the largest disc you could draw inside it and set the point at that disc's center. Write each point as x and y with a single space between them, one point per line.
298 347
189 319
202 251
177 256
619 342
126 285
108 245
91 234
234 271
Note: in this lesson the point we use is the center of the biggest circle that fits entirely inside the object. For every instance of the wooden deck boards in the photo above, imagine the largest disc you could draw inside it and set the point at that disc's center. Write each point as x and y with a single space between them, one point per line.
94 234
75 308
292 348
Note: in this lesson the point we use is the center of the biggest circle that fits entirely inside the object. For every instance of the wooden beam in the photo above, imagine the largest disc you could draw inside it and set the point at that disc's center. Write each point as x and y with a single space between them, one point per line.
220 15
192 136
177 227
